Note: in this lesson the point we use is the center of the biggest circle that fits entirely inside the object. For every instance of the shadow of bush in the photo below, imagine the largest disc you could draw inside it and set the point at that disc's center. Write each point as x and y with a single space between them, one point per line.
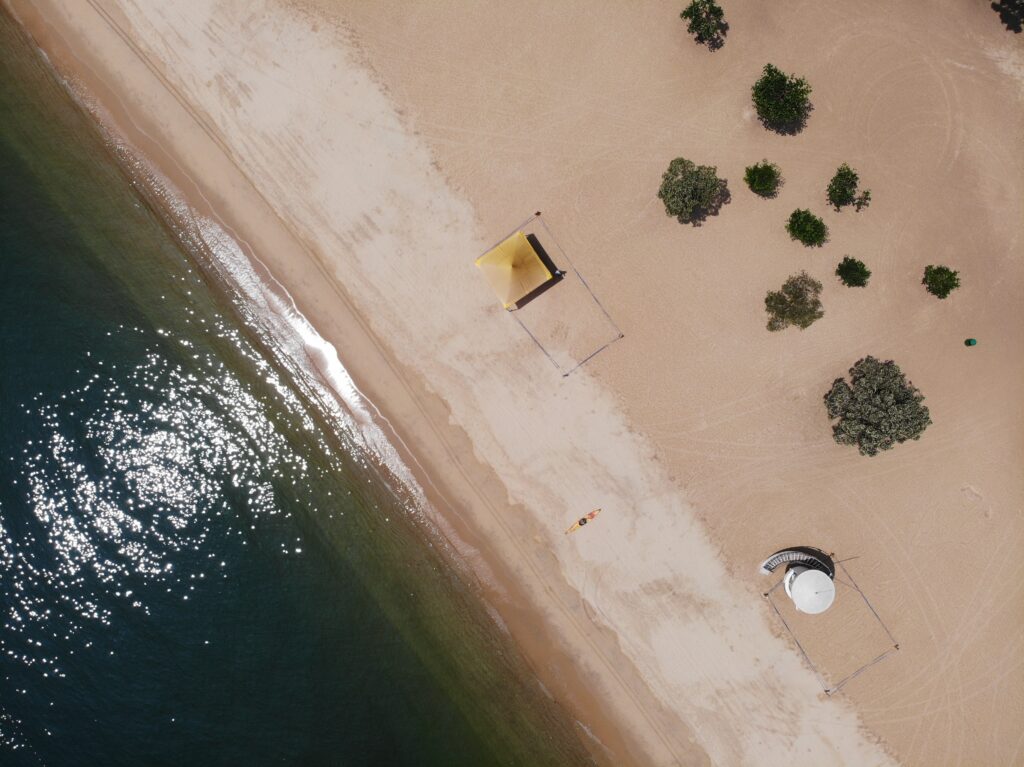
698 217
717 40
789 128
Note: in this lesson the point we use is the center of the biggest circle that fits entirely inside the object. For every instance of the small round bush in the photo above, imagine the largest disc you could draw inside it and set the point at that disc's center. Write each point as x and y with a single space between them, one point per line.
706 22
764 178
807 228
691 192
940 280
853 273
782 101
797 303
842 189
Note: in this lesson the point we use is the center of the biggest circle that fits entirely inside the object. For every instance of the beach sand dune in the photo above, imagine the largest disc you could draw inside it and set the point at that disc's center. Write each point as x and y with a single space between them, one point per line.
368 152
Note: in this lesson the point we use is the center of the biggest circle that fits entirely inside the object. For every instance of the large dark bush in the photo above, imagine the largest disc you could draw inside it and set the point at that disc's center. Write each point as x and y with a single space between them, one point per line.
877 409
797 303
783 101
706 22
691 192
807 228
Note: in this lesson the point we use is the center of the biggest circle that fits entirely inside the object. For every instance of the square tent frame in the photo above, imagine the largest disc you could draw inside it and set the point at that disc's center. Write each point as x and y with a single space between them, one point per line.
852 584
558 275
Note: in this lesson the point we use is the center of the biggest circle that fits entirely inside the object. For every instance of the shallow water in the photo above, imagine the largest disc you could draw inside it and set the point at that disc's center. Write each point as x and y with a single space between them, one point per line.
205 558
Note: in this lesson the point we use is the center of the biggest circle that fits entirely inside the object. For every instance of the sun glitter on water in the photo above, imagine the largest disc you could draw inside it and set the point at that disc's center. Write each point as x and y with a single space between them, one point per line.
128 472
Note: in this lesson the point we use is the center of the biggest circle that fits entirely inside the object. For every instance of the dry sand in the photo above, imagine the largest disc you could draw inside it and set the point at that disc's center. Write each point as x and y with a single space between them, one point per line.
702 435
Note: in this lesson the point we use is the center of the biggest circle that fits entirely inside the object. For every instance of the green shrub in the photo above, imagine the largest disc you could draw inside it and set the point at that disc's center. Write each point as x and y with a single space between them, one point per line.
806 227
878 409
797 303
706 22
1011 13
842 189
940 280
692 192
853 273
764 178
782 101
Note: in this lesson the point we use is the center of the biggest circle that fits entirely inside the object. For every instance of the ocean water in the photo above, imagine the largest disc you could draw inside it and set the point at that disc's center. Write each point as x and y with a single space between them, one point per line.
205 557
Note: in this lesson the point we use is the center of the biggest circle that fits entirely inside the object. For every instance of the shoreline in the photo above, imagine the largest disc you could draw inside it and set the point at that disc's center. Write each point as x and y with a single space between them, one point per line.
669 622
545 650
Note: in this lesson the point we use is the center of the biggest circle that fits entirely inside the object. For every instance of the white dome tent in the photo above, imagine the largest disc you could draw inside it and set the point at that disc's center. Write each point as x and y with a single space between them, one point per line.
809 577
812 591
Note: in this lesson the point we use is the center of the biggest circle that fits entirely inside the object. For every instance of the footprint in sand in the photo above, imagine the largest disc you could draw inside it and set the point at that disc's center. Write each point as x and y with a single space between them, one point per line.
971 493
973 496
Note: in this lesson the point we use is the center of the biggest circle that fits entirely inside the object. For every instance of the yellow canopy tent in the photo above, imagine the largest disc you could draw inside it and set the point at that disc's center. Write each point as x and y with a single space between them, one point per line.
514 269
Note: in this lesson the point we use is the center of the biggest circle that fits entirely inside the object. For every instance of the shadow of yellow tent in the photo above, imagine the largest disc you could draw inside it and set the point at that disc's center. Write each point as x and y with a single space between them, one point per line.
513 269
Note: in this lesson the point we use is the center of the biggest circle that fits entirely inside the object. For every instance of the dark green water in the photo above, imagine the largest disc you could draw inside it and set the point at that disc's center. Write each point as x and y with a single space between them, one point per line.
197 565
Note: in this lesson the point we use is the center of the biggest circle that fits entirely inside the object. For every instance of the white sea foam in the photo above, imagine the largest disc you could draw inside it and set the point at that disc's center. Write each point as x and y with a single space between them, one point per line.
297 345
266 307
128 471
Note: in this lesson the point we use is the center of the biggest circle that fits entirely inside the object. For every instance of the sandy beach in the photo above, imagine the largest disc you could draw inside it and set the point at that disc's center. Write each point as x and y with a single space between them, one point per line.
365 154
